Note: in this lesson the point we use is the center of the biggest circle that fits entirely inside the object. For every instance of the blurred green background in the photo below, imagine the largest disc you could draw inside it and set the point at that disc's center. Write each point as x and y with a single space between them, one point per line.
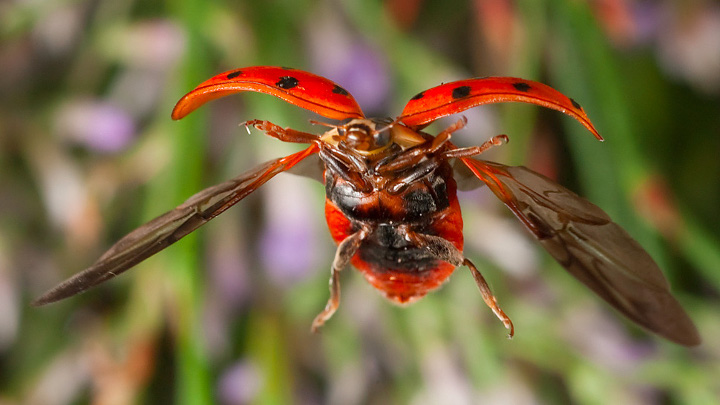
88 152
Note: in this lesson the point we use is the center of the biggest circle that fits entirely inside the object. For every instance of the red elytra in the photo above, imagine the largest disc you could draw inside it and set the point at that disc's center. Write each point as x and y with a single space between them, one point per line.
391 200
303 89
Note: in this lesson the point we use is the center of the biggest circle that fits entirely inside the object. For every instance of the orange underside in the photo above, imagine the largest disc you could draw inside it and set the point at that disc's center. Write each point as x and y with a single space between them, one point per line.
404 287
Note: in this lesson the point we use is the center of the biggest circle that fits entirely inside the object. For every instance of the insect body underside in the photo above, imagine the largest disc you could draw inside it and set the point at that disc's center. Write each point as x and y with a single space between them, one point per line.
402 222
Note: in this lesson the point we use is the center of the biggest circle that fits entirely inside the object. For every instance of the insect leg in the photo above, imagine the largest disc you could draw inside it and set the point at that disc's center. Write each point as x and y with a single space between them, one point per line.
476 150
345 251
411 162
444 136
489 298
443 250
283 134
412 156
337 162
420 170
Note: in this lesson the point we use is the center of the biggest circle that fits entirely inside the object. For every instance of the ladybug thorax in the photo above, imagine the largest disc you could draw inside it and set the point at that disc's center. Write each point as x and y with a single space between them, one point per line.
367 154
379 171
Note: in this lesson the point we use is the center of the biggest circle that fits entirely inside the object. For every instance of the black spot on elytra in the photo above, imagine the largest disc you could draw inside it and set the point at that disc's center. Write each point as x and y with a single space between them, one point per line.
418 96
520 86
575 104
339 90
460 92
234 74
287 82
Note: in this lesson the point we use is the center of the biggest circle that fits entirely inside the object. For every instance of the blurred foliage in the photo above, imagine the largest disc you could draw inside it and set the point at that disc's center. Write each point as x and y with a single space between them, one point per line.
88 152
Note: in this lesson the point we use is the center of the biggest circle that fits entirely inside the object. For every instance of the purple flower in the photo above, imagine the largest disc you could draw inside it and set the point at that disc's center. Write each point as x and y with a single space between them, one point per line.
97 125
289 243
366 77
239 384
339 54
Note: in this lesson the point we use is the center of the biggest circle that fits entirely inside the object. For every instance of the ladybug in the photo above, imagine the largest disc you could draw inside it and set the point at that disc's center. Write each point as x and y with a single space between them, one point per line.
391 198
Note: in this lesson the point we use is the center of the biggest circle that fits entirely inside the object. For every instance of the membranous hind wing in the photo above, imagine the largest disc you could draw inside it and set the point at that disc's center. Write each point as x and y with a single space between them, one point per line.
170 227
597 251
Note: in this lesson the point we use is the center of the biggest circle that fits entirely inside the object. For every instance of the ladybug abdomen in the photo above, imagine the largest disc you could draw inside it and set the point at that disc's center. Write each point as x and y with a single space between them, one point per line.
389 260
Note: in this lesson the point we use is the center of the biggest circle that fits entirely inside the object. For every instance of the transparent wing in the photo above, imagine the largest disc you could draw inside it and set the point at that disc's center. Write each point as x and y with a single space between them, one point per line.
597 251
170 227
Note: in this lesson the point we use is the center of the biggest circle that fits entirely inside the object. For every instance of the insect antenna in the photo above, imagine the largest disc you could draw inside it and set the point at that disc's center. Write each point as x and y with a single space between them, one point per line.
325 124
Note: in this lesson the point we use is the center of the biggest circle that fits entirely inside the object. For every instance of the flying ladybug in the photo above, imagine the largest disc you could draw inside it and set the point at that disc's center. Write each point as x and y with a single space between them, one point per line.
391 198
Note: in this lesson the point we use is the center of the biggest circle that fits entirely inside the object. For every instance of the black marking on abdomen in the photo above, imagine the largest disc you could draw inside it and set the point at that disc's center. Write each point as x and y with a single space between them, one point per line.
387 249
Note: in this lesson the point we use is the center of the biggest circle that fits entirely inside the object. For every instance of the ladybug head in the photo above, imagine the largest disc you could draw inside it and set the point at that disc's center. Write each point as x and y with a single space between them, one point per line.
364 136
360 135
372 136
